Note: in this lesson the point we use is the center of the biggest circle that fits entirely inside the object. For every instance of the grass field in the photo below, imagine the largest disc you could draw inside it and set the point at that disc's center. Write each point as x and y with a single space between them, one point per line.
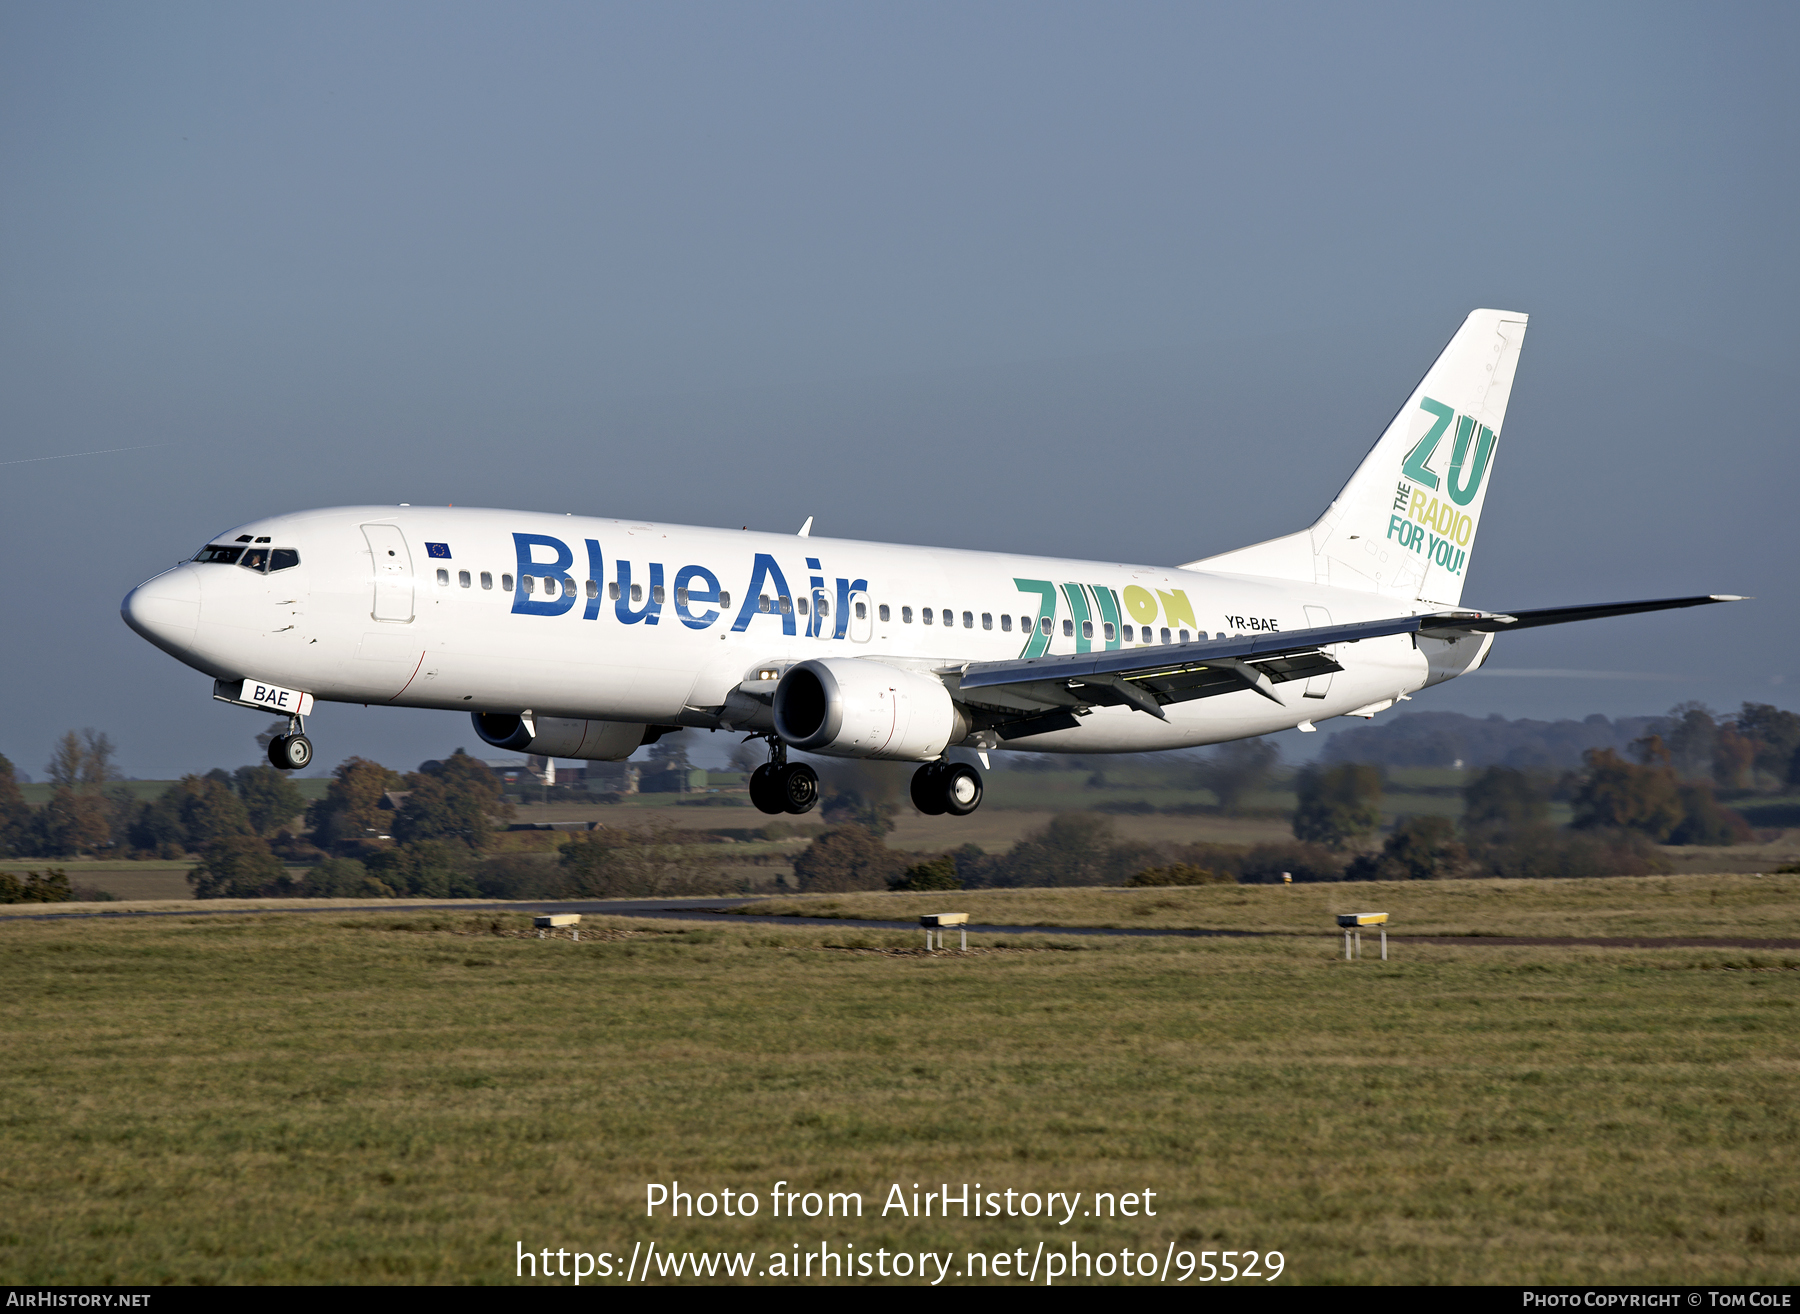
368 1098
1731 905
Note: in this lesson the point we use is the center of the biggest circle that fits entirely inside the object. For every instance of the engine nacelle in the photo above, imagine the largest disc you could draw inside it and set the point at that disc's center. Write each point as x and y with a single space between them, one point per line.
556 736
853 707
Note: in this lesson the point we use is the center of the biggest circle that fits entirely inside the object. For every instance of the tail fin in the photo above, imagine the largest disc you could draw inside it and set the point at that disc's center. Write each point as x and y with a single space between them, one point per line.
1404 526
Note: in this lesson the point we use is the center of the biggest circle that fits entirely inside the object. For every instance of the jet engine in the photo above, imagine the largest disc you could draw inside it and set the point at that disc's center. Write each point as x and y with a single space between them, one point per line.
556 736
853 707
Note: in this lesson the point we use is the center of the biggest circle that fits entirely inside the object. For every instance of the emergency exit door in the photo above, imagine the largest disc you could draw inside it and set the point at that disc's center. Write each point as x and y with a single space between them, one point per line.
393 573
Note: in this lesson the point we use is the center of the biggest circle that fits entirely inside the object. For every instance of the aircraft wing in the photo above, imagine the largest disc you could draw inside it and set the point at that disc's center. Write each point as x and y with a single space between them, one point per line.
1043 693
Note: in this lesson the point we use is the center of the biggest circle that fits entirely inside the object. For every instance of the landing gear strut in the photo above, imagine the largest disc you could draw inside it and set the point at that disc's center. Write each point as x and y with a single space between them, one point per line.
783 786
940 787
293 750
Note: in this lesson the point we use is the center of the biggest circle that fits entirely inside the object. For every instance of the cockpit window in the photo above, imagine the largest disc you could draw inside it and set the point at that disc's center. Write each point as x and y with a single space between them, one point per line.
283 558
223 553
255 559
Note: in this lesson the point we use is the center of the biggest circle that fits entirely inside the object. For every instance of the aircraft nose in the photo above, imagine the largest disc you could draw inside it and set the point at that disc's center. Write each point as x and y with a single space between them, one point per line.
166 610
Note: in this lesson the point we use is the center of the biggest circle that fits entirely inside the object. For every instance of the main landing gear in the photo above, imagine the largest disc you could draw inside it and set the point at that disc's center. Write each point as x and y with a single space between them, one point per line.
293 750
784 786
940 787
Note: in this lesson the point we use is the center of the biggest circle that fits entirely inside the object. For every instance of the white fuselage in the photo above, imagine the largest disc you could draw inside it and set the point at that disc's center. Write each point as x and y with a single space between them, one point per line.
430 607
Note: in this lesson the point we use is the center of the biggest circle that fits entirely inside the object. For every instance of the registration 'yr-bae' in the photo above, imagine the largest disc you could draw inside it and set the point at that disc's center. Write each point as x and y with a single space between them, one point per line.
586 638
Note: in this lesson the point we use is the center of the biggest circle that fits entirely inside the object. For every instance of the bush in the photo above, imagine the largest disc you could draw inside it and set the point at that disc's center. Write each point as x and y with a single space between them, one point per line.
1264 864
1076 848
1420 849
847 858
1179 873
1704 821
938 874
240 867
1338 805
343 878
1545 853
606 864
49 886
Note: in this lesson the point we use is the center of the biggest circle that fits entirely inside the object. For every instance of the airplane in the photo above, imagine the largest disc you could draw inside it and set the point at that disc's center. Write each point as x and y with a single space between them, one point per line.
580 637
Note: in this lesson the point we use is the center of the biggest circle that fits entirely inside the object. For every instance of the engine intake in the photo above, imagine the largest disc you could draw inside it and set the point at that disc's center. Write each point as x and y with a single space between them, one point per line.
556 736
853 707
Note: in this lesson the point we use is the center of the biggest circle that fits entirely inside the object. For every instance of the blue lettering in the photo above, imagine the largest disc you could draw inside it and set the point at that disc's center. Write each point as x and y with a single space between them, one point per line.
597 573
709 593
764 572
648 613
558 570
845 587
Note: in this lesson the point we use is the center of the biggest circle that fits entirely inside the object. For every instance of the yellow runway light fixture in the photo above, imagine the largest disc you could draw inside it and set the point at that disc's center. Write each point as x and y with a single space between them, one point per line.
1353 924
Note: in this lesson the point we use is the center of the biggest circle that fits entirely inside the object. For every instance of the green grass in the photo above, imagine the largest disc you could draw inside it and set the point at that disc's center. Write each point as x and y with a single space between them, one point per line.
1715 906
403 1098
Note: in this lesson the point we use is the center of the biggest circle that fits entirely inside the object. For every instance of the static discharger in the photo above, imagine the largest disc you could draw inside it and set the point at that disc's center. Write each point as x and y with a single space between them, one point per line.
937 921
551 921
1353 924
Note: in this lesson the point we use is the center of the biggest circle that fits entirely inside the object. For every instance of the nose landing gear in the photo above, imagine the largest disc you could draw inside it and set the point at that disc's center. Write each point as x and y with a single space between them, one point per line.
952 787
783 786
293 750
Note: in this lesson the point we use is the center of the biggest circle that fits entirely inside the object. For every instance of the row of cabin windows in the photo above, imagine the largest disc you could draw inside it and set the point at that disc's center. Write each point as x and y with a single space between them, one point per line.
551 585
1109 632
784 605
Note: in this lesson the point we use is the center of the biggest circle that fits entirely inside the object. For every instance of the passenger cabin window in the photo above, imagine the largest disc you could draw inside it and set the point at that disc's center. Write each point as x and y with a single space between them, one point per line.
487 579
223 554
568 587
462 579
801 604
824 606
787 604
1006 623
506 583
1184 636
987 620
1068 629
528 583
443 579
724 600
882 613
681 597
1128 633
255 559
283 559
1165 634
637 592
593 588
763 604
612 590
925 616
656 594
1107 629
906 615
1044 621
968 620
1087 629
862 611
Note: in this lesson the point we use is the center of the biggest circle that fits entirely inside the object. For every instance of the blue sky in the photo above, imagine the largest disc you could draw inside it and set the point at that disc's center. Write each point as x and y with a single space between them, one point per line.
1137 282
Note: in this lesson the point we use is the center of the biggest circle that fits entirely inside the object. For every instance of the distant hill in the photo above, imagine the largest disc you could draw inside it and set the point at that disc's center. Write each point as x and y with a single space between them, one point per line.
1441 739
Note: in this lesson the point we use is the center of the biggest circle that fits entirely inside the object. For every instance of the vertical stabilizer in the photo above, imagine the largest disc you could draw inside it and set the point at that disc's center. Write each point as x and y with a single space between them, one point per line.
1404 526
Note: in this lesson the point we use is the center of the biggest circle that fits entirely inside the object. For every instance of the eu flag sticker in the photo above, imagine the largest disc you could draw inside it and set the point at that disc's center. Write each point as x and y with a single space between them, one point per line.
438 550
